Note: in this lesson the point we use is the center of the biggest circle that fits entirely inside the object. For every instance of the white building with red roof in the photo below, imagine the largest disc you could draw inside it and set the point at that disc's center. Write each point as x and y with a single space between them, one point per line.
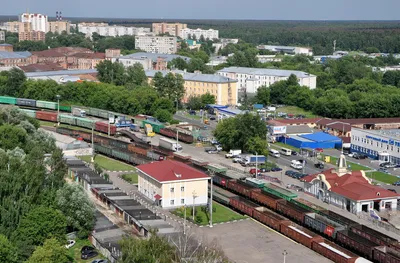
350 190
172 184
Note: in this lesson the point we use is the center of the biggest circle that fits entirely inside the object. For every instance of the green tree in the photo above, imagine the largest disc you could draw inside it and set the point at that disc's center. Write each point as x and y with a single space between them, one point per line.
263 95
178 63
113 73
163 115
194 103
207 99
136 75
256 145
8 252
12 136
16 79
77 208
52 251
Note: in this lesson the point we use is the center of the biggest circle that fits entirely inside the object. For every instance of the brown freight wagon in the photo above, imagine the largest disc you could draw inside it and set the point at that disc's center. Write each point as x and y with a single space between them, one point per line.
336 253
243 205
384 254
84 135
101 140
339 218
132 148
103 127
46 116
291 210
355 242
241 187
299 234
269 218
373 235
265 198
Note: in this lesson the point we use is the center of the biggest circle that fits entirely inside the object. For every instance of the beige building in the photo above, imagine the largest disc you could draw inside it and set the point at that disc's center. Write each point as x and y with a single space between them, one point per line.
32 36
196 84
59 26
173 29
13 26
2 36
156 44
172 184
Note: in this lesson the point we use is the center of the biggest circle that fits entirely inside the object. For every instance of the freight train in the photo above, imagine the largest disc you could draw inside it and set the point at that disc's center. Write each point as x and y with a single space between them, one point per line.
256 199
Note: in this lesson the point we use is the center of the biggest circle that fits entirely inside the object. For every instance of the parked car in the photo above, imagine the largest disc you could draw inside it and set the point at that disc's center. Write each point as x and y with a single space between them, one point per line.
214 142
390 165
212 118
218 147
253 170
294 153
319 165
392 190
88 252
383 170
360 156
383 164
351 155
70 243
396 183
276 169
289 172
319 150
236 160
100 261
192 112
87 248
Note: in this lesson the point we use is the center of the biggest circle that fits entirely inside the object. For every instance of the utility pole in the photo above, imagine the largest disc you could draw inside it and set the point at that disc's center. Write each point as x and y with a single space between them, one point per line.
177 139
256 165
184 221
58 109
92 143
284 255
194 197
211 197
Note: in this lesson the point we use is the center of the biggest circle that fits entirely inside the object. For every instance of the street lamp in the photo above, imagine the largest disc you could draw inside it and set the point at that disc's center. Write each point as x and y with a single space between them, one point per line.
211 173
194 197
58 109
284 255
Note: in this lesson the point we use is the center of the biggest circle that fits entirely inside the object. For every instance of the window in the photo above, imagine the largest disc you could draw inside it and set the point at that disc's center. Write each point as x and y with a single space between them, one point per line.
172 189
182 189
182 201
171 202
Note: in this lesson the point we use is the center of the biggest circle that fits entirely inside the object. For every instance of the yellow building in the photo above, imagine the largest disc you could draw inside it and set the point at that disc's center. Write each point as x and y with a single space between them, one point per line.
196 84
59 26
172 184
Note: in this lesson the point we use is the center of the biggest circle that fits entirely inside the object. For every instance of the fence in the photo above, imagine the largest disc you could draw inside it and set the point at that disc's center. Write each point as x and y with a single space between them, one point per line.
381 224
112 253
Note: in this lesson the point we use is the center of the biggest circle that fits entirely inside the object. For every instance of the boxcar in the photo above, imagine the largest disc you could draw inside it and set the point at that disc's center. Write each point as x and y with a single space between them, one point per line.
103 149
8 100
103 127
339 218
336 253
269 218
241 187
46 116
265 198
357 243
243 205
291 210
221 179
299 233
373 235
66 108
68 119
119 144
26 102
322 224
86 123
384 254
46 104
122 155
30 113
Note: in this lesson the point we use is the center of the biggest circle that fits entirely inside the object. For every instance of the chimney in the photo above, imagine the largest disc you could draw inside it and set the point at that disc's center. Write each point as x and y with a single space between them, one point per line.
56 15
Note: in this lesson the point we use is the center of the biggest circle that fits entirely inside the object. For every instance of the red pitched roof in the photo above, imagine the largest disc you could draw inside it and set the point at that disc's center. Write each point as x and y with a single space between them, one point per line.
168 170
352 185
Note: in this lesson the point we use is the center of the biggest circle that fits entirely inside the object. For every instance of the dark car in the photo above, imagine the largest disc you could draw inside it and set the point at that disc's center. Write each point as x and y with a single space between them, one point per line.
360 156
396 183
392 190
383 170
289 172
319 165
192 112
276 169
383 164
294 153
212 118
89 254
87 248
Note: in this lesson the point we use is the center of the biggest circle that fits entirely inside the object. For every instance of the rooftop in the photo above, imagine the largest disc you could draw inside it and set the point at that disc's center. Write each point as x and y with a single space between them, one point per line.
193 76
61 72
268 72
14 55
90 55
41 67
297 121
390 133
296 129
325 121
153 56
166 171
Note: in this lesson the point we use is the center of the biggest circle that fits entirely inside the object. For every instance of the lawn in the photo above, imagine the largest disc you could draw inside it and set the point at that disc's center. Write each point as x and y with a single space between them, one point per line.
131 178
279 145
74 253
220 214
197 117
108 164
296 111
383 177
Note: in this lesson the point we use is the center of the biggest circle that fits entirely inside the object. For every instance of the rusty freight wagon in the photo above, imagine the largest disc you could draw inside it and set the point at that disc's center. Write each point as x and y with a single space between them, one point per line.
265 198
291 210
384 254
243 205
374 236
241 187
300 234
336 253
269 218
355 242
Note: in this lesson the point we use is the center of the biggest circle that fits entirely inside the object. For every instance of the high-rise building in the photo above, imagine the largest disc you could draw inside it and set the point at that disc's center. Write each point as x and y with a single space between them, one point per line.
37 21
103 29
173 29
197 33
156 44
32 36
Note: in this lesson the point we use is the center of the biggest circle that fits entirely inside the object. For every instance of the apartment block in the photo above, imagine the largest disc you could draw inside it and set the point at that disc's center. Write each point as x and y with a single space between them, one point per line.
59 26
173 29
32 36
38 21
148 60
2 36
103 29
197 33
6 47
156 44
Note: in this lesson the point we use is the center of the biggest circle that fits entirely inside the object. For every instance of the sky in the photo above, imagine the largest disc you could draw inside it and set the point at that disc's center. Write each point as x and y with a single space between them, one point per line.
212 9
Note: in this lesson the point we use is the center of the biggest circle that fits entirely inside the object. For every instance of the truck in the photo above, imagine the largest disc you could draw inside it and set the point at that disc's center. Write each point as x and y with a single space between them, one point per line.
233 153
78 112
170 145
148 130
134 127
253 159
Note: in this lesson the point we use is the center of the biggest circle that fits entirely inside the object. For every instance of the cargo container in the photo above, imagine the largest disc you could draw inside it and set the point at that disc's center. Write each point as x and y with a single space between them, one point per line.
269 218
155 156
30 113
308 205
8 100
243 205
86 123
265 198
156 125
241 187
279 191
118 154
66 108
71 120
103 149
299 234
373 235
355 242
46 105
46 116
103 127
221 179
26 102
183 137
291 210
384 254
339 218
169 144
336 253
322 224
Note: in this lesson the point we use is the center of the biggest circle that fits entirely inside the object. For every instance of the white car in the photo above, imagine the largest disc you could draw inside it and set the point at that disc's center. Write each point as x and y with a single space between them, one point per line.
351 155
70 243
218 147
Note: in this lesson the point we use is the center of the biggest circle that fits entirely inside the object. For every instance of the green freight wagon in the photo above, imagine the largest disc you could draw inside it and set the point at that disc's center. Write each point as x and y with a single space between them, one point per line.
66 108
279 191
308 205
102 149
156 126
46 105
30 113
121 155
119 144
71 120
104 114
8 100
86 123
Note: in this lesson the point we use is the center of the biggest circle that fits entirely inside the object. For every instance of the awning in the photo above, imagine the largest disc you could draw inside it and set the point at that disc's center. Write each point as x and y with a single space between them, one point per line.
157 197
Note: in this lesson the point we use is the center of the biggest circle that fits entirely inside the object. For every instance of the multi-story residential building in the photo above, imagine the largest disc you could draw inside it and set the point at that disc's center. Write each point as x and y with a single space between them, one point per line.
197 33
106 30
6 47
250 79
15 59
12 26
173 29
196 84
59 26
85 60
113 53
156 44
172 184
32 36
2 36
38 21
223 42
148 60
287 50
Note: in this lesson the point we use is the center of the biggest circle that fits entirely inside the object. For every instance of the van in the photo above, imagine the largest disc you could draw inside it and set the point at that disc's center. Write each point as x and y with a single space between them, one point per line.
274 153
296 165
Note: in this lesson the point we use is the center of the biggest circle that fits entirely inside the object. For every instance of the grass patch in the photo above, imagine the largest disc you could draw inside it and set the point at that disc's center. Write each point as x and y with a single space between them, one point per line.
220 214
279 145
108 163
74 253
131 178
197 117
296 111
383 177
